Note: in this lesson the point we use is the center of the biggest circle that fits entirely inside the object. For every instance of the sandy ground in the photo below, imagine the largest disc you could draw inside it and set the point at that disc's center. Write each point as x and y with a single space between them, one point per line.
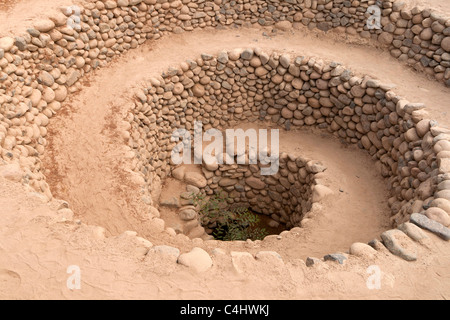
36 247
17 16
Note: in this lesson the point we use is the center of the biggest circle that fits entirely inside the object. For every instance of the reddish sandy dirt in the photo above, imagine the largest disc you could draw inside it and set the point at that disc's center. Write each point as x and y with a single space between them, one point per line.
86 165
17 16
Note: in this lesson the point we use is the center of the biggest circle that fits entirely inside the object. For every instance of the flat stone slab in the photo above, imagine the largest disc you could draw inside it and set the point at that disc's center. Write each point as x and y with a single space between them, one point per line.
337 257
426 223
412 231
399 244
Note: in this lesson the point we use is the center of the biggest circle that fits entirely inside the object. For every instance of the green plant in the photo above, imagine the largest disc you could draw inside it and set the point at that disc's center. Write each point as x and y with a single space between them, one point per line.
231 224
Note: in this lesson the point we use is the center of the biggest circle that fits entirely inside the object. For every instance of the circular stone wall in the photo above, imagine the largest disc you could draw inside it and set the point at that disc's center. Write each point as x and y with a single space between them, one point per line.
247 85
285 196
41 68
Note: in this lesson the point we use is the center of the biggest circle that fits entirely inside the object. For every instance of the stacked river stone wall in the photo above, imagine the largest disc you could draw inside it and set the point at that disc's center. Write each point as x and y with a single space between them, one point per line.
293 92
41 68
285 196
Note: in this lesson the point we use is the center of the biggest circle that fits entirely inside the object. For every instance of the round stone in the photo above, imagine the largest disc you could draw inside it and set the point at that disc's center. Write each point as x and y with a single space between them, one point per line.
385 38
445 44
198 90
283 25
198 260
44 25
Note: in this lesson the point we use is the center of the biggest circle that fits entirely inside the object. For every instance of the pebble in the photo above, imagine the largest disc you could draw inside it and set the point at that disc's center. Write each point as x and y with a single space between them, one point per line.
315 167
443 204
196 179
399 244
336 257
362 250
311 261
6 43
247 54
445 44
192 189
188 215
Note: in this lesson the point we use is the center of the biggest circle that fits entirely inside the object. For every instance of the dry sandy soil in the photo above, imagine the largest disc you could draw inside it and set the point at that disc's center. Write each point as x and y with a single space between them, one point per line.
86 166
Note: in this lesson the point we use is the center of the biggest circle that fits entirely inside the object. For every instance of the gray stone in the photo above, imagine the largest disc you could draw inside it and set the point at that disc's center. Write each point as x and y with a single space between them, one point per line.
223 57
426 223
310 261
337 257
247 54
399 244
186 195
46 79
73 77
285 61
315 166
33 32
255 183
206 57
188 215
21 43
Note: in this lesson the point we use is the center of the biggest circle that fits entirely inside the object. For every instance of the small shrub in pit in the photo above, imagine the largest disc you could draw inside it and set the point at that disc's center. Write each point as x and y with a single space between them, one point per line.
230 224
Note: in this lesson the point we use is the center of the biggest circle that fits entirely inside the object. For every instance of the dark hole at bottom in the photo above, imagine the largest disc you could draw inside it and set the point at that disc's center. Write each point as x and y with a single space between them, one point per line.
248 224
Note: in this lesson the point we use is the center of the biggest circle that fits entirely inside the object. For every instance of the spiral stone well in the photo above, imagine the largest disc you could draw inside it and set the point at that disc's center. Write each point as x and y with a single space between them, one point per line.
41 70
